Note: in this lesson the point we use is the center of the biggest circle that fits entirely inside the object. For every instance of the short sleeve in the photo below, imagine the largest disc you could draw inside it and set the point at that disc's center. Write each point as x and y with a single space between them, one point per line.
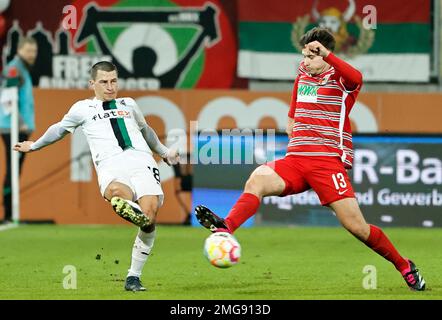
73 118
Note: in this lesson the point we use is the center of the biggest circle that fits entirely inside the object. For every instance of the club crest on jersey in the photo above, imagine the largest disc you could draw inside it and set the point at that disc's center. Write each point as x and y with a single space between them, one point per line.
324 80
307 93
111 114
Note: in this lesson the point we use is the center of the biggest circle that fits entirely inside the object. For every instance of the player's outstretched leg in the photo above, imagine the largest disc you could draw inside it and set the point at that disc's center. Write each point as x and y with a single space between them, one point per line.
143 243
379 242
413 278
141 250
210 220
263 181
130 211
349 214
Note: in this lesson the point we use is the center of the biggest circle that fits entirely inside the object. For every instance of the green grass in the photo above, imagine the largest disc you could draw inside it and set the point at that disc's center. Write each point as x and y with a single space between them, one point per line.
276 263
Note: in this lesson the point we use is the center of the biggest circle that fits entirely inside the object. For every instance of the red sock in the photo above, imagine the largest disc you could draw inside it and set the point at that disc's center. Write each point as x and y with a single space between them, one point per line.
244 208
378 241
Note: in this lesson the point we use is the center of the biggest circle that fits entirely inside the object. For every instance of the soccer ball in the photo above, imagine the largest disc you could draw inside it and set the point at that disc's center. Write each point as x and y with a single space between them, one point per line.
222 249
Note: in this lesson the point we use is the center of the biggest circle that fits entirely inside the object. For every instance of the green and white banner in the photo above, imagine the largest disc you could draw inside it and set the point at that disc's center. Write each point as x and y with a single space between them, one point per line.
386 40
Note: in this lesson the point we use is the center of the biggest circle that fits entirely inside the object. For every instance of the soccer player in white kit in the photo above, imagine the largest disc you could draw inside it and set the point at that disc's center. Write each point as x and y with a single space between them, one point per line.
121 145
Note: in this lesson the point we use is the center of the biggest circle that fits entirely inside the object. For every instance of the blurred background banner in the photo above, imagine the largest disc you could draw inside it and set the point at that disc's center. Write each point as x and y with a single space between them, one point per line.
66 165
217 43
154 44
386 40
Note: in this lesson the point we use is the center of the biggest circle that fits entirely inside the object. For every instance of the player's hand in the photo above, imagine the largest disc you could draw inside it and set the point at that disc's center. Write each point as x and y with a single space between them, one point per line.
24 146
172 157
317 48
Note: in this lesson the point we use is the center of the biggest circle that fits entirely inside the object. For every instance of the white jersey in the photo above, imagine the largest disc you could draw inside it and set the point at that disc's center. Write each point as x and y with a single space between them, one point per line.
110 126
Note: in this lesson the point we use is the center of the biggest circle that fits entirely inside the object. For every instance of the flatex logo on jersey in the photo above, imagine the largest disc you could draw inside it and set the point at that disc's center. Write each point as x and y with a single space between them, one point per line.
112 114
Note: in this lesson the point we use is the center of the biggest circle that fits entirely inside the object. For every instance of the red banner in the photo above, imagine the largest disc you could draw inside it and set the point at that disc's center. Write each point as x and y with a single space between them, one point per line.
391 11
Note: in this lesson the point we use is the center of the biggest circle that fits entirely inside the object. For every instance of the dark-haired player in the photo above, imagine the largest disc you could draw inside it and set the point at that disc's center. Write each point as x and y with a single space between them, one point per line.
319 153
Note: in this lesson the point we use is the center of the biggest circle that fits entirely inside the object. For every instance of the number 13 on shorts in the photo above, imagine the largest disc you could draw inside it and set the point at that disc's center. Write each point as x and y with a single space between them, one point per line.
339 180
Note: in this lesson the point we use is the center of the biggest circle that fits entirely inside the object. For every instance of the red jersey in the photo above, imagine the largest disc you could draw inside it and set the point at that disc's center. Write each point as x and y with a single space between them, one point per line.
320 107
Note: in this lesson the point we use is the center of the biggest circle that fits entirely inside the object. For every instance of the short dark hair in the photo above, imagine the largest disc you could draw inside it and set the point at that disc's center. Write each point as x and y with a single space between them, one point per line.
322 35
103 66
25 40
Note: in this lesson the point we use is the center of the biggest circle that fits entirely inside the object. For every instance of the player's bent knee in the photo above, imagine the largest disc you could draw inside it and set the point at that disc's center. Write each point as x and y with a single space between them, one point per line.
263 171
149 206
151 212
264 181
254 185
117 190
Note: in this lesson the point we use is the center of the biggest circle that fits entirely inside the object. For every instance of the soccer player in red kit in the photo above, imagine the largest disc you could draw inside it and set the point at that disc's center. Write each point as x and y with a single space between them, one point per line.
318 154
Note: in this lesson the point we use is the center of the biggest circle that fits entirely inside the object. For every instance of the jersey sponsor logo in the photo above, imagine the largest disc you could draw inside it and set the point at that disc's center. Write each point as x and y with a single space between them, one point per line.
342 192
307 93
112 114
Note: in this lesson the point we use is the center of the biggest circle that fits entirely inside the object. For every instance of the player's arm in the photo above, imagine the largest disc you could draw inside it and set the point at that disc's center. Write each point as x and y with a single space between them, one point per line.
352 77
170 156
153 141
53 134
291 114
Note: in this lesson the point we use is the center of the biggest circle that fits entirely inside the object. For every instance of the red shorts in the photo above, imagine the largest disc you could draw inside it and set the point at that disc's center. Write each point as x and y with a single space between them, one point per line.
325 175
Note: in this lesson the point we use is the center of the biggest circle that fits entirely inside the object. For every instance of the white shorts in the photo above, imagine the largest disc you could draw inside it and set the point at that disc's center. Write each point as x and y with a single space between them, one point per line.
138 170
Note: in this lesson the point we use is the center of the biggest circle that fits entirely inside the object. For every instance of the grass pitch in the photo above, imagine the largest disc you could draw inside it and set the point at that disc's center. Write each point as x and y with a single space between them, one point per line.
276 263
